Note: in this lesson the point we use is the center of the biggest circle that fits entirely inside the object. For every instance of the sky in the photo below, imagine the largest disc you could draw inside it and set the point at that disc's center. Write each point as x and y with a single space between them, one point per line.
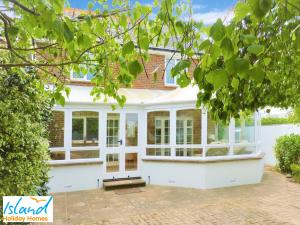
207 11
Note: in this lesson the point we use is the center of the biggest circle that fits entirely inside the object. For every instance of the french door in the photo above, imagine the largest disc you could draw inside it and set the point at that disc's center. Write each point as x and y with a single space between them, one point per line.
122 144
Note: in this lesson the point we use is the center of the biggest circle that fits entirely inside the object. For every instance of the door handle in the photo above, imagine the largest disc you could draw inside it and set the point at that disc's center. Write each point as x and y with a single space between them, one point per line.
120 141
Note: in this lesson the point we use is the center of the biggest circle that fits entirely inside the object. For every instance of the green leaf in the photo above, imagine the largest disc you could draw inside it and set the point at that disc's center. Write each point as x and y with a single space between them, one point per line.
248 39
218 78
128 48
144 42
241 65
198 75
183 80
68 35
182 65
257 74
267 61
241 10
256 49
204 45
260 7
135 67
235 83
217 31
227 47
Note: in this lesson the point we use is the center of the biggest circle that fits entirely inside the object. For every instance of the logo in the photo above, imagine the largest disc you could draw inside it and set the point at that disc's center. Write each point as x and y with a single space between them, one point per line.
28 209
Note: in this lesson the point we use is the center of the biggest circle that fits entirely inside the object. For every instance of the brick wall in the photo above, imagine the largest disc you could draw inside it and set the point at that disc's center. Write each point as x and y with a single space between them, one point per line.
156 63
56 129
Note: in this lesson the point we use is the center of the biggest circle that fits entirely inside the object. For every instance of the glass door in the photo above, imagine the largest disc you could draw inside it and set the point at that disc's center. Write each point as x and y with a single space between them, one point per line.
122 139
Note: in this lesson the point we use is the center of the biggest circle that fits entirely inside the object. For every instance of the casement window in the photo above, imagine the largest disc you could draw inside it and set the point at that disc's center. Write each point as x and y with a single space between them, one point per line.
84 130
112 131
184 131
162 130
169 64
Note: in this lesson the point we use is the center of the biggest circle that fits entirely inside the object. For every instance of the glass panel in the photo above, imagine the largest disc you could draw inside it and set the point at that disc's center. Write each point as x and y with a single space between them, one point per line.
244 130
112 162
112 130
189 152
158 124
85 154
56 129
130 161
243 150
217 151
89 76
131 129
78 75
59 155
188 126
169 65
85 128
217 133
158 151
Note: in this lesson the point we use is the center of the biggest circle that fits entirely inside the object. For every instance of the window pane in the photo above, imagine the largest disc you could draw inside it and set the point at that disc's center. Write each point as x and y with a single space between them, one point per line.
78 75
244 130
92 128
217 133
112 130
112 162
77 129
158 127
188 129
217 151
169 65
158 151
56 129
131 129
189 152
131 161
57 155
89 76
85 128
85 154
243 150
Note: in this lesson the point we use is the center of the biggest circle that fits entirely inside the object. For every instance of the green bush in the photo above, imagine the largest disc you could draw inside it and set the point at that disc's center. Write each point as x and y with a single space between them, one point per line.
275 120
25 110
287 151
296 172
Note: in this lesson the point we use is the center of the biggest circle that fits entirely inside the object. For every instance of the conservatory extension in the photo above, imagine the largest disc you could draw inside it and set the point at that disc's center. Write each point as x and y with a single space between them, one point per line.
159 135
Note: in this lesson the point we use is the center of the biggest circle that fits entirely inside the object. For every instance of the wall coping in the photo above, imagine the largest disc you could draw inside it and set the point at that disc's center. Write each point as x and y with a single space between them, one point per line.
74 162
206 160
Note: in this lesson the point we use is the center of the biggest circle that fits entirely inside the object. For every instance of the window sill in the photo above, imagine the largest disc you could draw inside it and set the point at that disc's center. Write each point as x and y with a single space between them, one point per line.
212 159
74 162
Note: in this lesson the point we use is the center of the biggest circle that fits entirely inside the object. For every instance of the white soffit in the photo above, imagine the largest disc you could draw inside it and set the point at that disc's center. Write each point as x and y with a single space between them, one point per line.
81 95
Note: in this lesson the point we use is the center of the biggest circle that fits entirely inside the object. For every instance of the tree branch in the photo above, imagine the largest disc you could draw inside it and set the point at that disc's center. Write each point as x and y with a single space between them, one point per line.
23 7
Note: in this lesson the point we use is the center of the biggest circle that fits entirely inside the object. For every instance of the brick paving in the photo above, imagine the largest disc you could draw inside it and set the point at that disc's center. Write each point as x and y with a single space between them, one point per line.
275 201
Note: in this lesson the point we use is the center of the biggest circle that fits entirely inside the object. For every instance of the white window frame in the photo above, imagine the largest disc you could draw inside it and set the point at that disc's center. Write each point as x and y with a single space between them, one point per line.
84 118
162 119
117 118
165 75
185 127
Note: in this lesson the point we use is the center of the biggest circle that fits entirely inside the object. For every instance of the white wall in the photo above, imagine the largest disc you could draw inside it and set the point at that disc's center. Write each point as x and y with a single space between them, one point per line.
75 177
269 134
203 175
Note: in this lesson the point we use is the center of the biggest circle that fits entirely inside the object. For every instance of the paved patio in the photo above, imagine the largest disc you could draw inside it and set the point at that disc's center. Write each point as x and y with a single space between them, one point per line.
274 201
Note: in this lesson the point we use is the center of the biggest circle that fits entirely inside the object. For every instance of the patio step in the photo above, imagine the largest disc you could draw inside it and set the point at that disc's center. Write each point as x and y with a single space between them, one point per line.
132 182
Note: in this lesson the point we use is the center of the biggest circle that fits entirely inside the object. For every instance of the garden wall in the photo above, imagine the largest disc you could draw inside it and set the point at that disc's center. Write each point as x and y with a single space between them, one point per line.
269 134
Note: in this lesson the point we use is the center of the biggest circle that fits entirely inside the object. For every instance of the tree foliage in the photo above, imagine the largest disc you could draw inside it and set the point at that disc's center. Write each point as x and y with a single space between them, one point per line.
25 110
248 63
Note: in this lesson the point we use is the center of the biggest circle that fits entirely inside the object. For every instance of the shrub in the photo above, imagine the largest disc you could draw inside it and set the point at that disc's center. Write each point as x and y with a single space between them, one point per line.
296 172
25 110
287 151
275 120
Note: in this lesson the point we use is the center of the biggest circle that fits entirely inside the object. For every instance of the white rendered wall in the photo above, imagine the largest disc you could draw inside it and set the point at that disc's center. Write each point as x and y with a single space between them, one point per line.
203 175
269 134
75 177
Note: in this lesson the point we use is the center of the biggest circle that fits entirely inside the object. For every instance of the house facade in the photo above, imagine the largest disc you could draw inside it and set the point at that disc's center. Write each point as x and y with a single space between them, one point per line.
158 135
